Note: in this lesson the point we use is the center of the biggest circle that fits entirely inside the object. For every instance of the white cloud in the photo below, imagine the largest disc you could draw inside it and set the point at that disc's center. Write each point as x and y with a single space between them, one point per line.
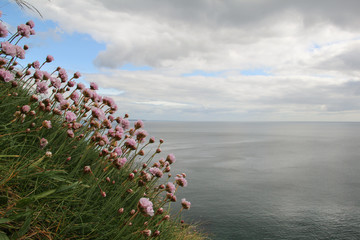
309 48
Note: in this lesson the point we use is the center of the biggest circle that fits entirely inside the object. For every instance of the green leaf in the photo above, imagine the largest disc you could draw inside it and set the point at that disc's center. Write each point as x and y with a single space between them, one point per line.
3 236
4 220
25 227
44 194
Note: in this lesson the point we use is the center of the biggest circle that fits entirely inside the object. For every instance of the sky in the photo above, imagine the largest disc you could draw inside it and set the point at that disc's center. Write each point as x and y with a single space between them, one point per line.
207 60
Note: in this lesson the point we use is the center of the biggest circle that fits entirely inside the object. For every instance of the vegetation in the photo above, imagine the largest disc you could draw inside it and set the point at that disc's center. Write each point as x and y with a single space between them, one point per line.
70 167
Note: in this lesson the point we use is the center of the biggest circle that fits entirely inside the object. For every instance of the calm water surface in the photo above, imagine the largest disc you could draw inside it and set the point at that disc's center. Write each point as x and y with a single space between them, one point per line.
268 180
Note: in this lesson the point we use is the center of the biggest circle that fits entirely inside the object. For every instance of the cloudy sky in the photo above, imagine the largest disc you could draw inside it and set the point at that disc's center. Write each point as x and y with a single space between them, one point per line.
213 60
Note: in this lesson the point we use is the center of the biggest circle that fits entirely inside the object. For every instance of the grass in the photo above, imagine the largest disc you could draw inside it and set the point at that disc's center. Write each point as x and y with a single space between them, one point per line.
72 168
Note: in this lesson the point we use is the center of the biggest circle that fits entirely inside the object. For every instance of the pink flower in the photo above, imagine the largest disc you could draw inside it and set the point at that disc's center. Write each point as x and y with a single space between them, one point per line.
171 158
63 75
24 30
97 113
96 97
156 172
110 102
87 93
3 30
25 109
30 23
87 169
77 75
140 135
43 142
41 87
130 143
138 124
120 162
71 83
125 123
5 75
170 187
49 58
74 96
94 86
70 116
38 74
146 206
185 204
20 52
64 104
80 86
46 124
56 83
8 49
46 75
59 97
70 133
118 151
181 181
36 65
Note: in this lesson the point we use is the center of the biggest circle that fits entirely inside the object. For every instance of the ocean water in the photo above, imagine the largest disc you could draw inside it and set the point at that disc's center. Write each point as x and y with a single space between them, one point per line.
268 180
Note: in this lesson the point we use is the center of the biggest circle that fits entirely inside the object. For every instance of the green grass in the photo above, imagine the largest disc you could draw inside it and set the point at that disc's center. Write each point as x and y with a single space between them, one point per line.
45 192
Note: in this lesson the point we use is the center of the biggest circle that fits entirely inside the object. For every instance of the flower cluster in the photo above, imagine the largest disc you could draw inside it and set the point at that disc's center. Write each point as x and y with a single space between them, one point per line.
65 115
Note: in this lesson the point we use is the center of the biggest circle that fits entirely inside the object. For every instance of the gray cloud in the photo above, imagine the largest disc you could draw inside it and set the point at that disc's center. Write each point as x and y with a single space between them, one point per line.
311 49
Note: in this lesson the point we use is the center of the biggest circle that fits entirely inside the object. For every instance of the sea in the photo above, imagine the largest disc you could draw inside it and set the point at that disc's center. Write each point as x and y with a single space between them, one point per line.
267 180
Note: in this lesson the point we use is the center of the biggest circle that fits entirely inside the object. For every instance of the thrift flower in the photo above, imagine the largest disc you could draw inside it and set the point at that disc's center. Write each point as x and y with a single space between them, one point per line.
46 124
74 96
20 52
25 109
30 23
3 30
181 181
156 172
70 116
185 204
80 86
170 187
70 133
87 169
94 86
118 151
130 143
36 64
140 135
38 74
146 206
77 75
125 123
5 75
49 58
56 83
120 162
63 75
8 49
24 30
41 87
43 142
170 158
59 97
97 113
48 154
138 124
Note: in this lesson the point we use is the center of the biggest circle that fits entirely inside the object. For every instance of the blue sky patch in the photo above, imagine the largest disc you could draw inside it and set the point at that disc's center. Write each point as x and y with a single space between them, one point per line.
255 72
74 52
203 73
